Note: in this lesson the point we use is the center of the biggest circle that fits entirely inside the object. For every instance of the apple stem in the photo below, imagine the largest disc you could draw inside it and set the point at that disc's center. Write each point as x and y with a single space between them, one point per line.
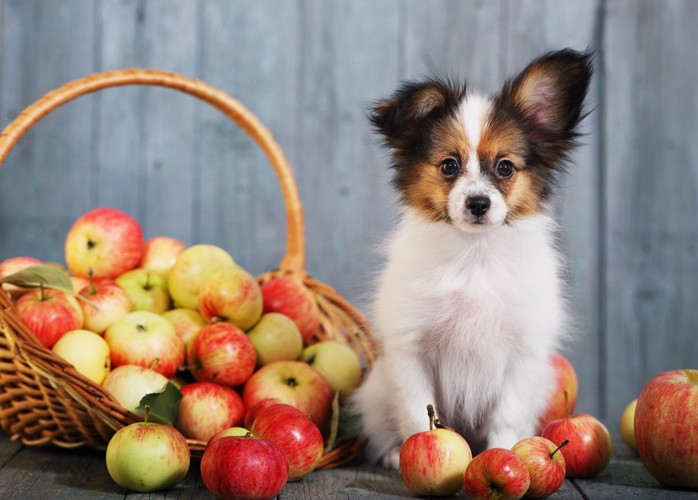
248 434
432 416
147 281
146 412
42 295
90 280
564 443
154 363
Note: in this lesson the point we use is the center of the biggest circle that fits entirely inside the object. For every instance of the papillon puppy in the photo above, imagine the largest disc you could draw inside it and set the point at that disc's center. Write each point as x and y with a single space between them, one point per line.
470 306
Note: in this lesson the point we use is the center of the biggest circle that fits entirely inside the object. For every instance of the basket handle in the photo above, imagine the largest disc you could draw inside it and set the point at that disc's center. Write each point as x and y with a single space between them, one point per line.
294 258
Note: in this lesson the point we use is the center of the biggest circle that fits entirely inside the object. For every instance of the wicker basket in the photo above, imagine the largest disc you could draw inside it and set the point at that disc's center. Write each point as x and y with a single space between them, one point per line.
43 399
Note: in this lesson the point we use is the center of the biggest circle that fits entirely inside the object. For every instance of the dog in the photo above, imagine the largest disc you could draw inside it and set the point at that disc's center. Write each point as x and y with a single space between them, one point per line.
470 303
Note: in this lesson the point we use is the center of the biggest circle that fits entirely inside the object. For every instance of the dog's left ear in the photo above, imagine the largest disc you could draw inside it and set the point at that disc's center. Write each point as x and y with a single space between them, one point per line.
549 93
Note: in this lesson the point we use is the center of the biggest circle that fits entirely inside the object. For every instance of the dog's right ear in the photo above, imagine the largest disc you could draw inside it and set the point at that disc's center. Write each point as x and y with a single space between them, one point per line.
402 117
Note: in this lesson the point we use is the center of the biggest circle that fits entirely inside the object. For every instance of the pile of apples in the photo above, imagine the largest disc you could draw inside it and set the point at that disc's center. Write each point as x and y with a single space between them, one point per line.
145 314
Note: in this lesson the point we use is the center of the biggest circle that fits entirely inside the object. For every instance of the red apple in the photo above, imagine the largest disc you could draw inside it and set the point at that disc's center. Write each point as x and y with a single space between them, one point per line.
296 435
433 463
160 253
589 448
545 464
105 240
232 295
187 323
208 408
666 428
252 411
244 467
15 265
290 297
145 339
106 302
295 383
230 431
222 353
49 314
496 473
563 398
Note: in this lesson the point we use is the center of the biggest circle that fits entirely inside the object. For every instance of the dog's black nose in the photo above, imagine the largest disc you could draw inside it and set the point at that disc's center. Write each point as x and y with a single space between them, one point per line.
478 205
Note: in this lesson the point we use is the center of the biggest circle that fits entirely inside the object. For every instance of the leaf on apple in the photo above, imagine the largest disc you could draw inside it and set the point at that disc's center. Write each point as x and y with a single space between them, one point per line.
38 276
344 424
164 405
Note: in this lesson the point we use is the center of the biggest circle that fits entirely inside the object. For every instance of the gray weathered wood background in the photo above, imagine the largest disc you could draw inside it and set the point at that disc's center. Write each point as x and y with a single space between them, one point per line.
309 69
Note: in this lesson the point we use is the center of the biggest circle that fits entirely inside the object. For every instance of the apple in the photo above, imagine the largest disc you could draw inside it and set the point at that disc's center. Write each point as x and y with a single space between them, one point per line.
15 265
78 283
191 269
545 464
589 448
106 302
433 462
160 253
208 408
563 398
295 383
146 289
232 295
251 412
87 352
187 323
335 361
129 383
275 338
230 431
145 339
49 314
666 428
146 457
627 425
290 297
106 240
496 473
296 435
222 353
244 467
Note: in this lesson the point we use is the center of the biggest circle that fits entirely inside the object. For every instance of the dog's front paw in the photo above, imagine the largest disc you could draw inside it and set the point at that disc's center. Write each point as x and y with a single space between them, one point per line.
391 460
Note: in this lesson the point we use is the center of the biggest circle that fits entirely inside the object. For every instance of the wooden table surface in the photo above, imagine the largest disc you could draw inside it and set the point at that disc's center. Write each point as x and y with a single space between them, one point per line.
51 472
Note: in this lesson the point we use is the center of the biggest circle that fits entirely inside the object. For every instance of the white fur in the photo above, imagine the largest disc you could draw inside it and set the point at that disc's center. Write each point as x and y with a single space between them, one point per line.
466 321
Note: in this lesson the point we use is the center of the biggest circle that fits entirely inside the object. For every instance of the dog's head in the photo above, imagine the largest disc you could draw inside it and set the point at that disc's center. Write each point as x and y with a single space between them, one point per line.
478 162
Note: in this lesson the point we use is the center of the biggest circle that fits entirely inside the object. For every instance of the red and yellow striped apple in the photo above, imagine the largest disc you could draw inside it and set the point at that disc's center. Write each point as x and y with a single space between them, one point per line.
49 314
208 408
221 353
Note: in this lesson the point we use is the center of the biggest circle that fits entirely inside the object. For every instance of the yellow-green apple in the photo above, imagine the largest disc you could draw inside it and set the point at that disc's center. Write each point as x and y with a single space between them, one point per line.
275 338
496 473
146 289
232 295
15 265
563 398
146 457
252 411
296 435
545 464
433 462
589 448
49 314
129 383
627 425
230 431
106 302
288 296
221 353
187 323
160 253
244 467
666 428
145 339
193 266
337 362
295 383
87 352
106 240
208 408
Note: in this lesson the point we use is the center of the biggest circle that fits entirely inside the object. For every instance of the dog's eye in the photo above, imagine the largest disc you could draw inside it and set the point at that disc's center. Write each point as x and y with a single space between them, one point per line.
505 169
449 167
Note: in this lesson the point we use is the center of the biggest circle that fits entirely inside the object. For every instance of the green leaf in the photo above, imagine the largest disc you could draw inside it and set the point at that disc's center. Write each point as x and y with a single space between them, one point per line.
37 276
345 424
164 405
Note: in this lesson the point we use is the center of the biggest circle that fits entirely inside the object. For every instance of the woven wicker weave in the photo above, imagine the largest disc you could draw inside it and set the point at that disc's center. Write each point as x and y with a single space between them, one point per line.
42 397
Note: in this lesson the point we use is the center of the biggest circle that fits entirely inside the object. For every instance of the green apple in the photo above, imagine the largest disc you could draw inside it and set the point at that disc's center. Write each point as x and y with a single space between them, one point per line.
191 269
87 352
337 362
187 323
147 290
275 338
627 425
232 295
129 383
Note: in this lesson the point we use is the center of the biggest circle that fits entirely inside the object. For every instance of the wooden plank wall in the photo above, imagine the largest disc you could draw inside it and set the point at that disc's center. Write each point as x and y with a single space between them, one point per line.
309 69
